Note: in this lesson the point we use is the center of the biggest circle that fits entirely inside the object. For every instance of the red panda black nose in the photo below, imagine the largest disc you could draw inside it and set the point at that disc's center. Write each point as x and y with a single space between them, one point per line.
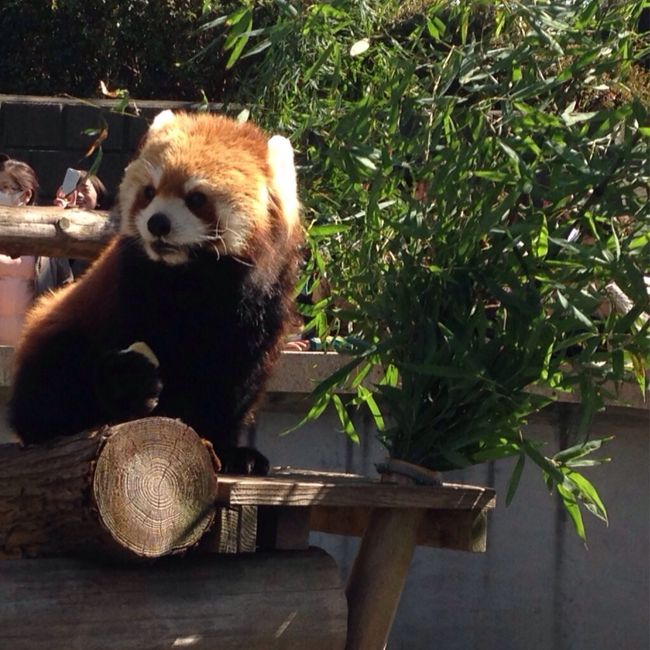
159 224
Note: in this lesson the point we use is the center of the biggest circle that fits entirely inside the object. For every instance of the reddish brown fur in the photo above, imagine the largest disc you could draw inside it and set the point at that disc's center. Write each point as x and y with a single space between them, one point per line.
239 301
84 305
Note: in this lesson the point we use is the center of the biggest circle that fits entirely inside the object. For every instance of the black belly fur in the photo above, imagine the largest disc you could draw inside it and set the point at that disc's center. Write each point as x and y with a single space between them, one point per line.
210 325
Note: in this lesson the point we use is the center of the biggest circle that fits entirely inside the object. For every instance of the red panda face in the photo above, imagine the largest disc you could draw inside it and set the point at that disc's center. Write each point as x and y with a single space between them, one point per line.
203 181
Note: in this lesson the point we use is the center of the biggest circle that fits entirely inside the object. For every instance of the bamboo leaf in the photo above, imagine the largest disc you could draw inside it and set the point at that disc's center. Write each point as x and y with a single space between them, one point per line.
580 451
573 510
344 419
515 478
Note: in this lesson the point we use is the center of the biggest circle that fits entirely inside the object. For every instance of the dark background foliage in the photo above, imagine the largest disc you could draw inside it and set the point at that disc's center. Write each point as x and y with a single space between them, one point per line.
53 47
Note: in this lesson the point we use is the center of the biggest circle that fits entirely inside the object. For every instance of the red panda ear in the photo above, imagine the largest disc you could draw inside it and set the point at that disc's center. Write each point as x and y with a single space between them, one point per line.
283 176
162 119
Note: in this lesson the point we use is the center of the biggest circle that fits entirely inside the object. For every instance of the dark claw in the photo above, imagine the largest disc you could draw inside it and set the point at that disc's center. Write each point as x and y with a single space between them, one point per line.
244 460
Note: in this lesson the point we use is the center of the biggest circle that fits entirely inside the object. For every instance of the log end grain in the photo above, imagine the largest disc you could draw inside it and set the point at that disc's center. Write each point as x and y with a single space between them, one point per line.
154 486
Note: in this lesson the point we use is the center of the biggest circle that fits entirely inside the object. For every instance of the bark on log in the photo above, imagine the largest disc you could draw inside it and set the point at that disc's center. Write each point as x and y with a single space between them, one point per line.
265 601
144 488
55 232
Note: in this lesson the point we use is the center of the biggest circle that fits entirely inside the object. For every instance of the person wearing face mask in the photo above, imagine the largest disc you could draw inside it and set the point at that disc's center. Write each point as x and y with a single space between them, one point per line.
24 277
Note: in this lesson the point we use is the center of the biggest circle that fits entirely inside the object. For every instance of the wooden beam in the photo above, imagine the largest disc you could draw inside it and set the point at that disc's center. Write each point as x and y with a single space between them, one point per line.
284 528
234 531
460 530
378 575
340 490
265 601
55 232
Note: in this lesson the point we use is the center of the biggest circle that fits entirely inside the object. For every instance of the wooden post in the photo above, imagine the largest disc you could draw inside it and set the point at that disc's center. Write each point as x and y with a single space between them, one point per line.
377 578
145 488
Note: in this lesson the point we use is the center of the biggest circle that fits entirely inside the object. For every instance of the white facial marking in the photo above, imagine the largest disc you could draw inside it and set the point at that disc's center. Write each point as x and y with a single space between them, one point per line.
186 230
233 228
154 172
192 183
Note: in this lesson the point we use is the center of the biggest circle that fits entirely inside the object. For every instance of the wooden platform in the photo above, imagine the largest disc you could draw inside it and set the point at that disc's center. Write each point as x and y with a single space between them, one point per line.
289 504
154 481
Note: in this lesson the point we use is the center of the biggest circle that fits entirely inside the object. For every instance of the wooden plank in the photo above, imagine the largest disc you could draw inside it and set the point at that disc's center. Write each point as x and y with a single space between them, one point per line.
301 372
283 529
460 530
264 601
378 575
234 531
343 491
247 529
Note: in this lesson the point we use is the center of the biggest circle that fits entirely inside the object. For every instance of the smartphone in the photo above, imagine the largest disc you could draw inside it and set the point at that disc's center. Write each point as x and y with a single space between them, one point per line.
72 177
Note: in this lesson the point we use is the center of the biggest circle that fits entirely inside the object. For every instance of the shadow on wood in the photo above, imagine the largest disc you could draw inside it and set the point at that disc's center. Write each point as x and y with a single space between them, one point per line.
288 601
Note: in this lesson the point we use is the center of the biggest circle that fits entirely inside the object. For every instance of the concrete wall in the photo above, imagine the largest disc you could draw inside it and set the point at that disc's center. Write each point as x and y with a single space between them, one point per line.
537 587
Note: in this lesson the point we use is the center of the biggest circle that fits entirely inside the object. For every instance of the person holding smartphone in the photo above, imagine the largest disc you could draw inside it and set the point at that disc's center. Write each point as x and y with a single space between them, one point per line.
80 190
85 191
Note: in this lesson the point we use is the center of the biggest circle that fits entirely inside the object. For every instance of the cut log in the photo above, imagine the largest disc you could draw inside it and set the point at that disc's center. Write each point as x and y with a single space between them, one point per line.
284 601
55 232
145 488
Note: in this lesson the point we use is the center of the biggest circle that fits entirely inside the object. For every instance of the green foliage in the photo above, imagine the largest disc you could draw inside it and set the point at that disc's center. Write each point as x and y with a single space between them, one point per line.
476 184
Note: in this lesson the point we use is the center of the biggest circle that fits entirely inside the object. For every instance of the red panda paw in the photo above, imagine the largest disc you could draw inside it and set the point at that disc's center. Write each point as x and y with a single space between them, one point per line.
243 460
128 383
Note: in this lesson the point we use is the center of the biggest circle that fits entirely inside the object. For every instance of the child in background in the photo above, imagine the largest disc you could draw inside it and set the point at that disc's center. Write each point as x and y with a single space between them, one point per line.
24 277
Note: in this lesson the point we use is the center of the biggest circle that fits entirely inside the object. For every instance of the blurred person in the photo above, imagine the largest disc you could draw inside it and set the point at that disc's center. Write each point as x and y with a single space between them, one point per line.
25 276
89 194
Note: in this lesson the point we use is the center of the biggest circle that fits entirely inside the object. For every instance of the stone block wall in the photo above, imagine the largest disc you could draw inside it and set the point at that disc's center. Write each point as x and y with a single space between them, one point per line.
50 134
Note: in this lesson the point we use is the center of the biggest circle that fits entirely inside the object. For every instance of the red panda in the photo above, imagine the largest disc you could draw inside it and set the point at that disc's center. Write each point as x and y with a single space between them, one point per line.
202 273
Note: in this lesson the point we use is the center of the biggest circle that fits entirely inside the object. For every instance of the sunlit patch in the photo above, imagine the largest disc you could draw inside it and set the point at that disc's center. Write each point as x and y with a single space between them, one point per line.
187 641
282 628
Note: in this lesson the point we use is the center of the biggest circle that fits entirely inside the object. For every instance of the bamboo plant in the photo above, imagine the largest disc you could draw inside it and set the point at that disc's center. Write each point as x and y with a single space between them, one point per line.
475 181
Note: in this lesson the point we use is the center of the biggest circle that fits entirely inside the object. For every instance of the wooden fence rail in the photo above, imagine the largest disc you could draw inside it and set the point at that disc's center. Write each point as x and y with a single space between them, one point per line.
55 232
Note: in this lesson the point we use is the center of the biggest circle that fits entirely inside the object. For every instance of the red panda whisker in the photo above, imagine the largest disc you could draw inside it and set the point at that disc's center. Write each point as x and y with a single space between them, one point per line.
241 261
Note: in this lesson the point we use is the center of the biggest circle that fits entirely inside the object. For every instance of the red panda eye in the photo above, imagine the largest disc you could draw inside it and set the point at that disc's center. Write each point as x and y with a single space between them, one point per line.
149 192
195 200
